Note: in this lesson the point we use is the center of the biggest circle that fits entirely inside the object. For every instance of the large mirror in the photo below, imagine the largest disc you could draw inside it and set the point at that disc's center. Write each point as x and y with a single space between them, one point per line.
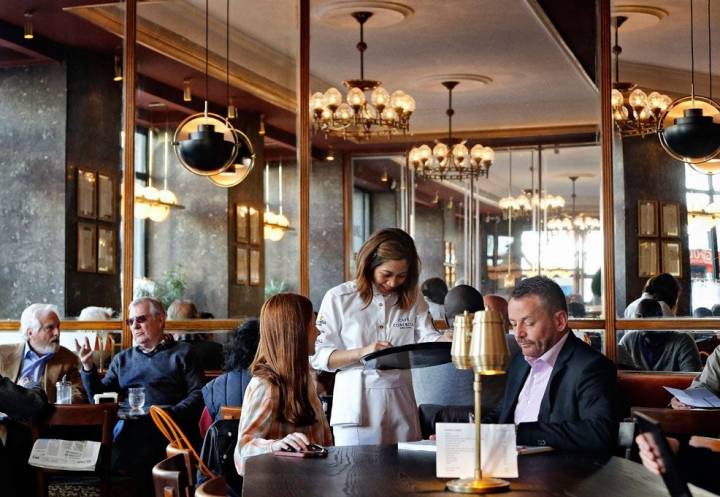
535 103
61 98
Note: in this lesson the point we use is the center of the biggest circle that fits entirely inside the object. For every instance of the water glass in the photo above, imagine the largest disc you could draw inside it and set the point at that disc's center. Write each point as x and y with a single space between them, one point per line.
136 398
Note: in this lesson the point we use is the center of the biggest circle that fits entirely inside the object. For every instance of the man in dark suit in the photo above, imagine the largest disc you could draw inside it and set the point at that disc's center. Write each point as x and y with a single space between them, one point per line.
560 392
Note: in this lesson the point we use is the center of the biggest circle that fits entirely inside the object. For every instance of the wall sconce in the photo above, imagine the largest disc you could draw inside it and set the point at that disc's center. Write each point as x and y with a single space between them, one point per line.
384 177
187 93
28 35
436 198
450 204
117 69
330 155
261 129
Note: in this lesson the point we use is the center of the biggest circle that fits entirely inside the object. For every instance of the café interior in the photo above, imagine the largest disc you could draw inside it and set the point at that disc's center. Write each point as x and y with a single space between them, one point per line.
510 142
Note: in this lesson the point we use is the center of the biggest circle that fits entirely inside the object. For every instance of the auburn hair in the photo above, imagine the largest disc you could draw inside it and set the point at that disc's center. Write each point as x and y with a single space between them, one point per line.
282 355
389 244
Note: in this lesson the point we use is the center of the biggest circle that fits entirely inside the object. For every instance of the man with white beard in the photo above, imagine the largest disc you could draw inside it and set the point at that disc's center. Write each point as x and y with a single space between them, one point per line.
40 359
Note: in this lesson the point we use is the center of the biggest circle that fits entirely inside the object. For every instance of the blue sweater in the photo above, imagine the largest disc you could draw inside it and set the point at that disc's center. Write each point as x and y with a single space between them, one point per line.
170 375
225 390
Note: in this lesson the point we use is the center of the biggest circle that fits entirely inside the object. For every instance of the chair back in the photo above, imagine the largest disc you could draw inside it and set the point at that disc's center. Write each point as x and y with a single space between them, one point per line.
214 487
173 448
229 412
82 416
171 479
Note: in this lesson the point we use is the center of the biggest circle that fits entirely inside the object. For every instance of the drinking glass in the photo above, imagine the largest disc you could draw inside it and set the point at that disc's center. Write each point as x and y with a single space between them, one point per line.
136 398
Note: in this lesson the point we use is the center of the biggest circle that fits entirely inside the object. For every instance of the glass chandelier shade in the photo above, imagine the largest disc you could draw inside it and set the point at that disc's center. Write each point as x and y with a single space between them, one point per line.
451 160
359 117
634 111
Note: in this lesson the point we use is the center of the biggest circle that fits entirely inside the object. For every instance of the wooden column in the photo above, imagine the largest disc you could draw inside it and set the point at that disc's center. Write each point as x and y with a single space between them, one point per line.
129 65
303 146
607 182
347 181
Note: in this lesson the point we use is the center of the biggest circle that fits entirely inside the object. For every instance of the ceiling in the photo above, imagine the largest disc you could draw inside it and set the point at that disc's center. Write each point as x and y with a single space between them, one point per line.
536 81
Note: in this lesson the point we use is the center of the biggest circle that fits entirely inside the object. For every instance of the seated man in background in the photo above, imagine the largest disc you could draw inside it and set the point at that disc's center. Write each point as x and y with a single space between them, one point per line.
657 350
171 377
664 288
18 403
40 359
560 392
709 378
208 353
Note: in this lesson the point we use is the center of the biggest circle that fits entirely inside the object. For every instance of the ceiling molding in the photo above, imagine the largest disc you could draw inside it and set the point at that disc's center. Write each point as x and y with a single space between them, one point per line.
667 79
177 48
542 17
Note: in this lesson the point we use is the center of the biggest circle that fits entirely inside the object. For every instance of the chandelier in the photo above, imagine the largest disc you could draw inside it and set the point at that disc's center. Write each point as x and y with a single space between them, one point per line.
634 111
530 199
451 160
574 222
385 113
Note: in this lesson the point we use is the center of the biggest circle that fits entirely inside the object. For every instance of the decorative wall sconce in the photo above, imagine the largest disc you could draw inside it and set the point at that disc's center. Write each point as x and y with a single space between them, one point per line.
261 128
187 90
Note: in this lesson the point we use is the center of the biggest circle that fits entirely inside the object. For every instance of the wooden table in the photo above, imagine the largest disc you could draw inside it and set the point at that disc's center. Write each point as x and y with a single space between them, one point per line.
684 421
383 471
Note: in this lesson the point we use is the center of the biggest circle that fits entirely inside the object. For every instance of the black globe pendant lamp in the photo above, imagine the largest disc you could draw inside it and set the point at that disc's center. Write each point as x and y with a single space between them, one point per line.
205 143
689 130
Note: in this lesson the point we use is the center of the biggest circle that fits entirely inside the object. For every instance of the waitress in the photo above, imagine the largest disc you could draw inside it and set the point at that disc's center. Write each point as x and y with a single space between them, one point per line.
381 308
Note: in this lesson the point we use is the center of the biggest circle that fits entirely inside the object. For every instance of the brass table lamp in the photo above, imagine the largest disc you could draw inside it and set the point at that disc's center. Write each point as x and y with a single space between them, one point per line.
479 343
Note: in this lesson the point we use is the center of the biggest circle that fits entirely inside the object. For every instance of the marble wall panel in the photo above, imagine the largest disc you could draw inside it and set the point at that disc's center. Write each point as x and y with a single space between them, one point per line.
32 192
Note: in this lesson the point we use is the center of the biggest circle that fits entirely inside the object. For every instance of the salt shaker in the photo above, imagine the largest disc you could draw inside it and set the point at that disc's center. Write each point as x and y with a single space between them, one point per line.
64 391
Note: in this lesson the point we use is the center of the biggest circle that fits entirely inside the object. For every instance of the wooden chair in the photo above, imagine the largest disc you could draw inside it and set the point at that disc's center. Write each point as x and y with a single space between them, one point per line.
706 442
214 487
171 478
80 416
172 449
228 412
684 421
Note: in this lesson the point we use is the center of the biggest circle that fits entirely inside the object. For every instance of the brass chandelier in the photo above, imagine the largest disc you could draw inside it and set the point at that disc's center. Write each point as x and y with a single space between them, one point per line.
451 160
634 111
385 113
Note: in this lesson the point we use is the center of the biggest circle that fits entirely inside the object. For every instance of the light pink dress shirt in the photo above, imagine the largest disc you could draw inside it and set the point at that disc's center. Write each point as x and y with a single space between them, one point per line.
532 393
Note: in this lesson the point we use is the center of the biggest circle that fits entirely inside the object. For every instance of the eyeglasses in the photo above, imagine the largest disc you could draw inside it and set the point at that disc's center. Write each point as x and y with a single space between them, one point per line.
140 319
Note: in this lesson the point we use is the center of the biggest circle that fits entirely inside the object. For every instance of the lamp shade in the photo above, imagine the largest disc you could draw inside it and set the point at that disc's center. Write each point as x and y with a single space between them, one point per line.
206 144
236 173
488 349
688 130
462 336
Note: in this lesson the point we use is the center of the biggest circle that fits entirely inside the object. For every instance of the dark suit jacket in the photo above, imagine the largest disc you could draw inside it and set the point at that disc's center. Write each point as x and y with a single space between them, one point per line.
578 410
63 363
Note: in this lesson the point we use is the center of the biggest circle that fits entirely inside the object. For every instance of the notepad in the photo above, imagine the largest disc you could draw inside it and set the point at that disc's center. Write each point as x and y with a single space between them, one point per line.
696 397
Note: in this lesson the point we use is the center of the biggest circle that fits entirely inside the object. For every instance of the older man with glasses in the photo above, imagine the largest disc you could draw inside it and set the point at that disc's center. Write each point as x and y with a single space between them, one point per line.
170 375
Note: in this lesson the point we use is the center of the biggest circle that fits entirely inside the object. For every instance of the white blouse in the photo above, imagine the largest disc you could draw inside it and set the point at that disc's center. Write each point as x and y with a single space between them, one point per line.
345 322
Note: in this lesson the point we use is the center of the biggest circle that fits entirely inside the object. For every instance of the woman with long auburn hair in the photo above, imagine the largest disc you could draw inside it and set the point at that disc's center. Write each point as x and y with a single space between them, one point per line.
281 409
380 308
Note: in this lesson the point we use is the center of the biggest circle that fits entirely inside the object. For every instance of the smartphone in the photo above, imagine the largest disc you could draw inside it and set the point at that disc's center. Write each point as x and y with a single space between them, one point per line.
674 481
313 450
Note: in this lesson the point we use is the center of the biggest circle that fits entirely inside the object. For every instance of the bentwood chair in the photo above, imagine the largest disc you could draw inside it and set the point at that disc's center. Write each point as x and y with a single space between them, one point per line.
228 412
173 449
171 479
78 421
214 487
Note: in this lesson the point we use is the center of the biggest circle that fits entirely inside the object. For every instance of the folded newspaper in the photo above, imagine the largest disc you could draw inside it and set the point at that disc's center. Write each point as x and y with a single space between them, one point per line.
67 455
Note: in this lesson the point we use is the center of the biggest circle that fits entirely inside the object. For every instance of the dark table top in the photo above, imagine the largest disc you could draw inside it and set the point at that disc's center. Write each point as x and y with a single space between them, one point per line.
383 471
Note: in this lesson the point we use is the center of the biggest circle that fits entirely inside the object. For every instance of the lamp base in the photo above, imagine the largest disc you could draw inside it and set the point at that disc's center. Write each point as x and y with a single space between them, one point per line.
473 486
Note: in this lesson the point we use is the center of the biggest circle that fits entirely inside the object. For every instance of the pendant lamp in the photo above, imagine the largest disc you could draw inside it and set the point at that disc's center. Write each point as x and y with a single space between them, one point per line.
689 130
239 169
206 143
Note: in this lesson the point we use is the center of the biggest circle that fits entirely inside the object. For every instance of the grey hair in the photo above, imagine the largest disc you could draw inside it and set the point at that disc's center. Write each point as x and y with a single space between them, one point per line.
156 307
94 313
30 318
